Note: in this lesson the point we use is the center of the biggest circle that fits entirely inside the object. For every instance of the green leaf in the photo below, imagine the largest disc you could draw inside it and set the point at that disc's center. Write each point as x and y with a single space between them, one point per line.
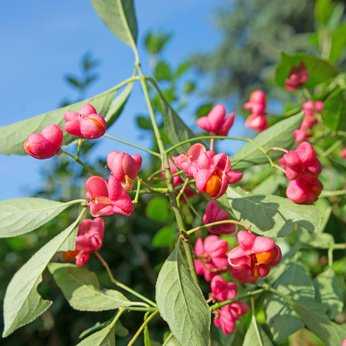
338 45
311 313
162 71
156 42
118 105
322 11
171 341
181 302
22 215
158 209
330 291
203 109
279 135
165 236
120 17
143 122
147 338
319 70
295 284
22 302
82 290
103 337
14 135
174 126
256 336
334 111
270 215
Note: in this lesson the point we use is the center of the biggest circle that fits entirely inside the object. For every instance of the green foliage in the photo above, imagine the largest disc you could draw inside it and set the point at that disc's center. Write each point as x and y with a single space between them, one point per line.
165 236
278 135
23 215
334 112
120 18
295 284
319 70
162 71
189 316
103 337
314 318
158 209
330 290
175 128
156 42
23 303
272 216
255 335
81 289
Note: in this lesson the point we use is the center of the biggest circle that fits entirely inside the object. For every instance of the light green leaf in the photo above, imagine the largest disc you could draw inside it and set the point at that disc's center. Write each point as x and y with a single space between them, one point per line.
174 126
278 135
103 337
82 290
120 18
181 302
330 291
13 136
295 284
22 302
158 209
256 336
270 215
22 215
319 70
311 313
171 341
165 236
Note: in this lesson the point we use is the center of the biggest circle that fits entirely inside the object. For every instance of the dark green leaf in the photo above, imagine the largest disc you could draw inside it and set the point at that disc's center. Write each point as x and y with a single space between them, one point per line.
162 71
334 112
174 126
203 109
120 18
118 105
279 135
319 70
181 302
22 215
143 122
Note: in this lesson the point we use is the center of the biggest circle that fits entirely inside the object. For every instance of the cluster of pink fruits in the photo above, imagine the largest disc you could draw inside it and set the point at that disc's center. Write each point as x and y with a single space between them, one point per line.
249 261
211 173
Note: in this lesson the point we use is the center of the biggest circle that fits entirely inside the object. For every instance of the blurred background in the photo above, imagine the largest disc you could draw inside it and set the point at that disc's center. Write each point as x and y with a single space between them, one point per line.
201 52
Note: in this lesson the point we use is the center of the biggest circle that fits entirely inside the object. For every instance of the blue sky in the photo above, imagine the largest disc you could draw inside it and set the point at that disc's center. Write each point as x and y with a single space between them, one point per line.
43 40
